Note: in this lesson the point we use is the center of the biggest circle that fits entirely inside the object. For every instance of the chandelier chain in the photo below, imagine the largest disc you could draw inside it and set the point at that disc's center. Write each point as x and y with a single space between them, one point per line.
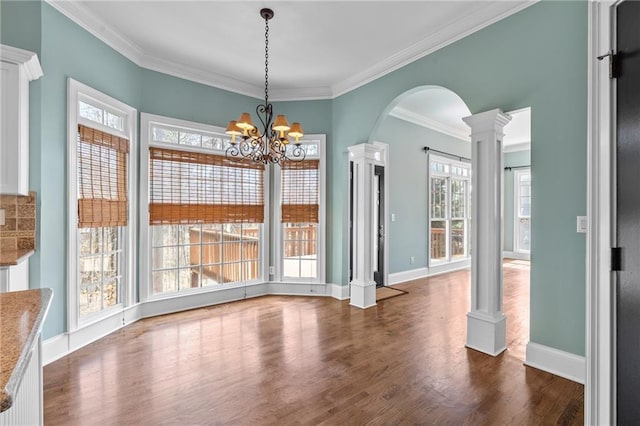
266 145
266 61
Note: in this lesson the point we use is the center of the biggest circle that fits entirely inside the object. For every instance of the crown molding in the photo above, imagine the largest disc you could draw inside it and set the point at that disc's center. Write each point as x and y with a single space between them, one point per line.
429 123
458 30
516 147
231 84
198 75
28 60
98 28
303 94
454 32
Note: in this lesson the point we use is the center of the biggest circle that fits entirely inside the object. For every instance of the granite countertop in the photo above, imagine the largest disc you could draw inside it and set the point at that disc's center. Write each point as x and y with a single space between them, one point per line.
13 257
21 316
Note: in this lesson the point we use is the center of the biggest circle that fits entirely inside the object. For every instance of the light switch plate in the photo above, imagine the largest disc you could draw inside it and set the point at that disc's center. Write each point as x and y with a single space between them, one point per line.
1 217
581 224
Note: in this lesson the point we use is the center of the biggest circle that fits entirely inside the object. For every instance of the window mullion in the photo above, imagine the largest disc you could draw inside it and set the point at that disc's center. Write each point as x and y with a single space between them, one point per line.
448 215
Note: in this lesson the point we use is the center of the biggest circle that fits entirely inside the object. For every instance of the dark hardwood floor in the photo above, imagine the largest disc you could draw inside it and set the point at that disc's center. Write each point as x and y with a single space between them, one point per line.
305 360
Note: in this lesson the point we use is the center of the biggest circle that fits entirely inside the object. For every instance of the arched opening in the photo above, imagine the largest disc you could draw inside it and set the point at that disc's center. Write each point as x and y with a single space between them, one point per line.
429 152
429 169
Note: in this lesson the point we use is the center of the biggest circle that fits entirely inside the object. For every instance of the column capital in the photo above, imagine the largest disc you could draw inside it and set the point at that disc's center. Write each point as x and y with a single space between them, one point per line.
365 150
493 120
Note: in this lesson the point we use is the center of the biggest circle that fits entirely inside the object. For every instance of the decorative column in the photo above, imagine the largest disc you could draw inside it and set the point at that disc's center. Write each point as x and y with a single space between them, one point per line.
363 288
486 323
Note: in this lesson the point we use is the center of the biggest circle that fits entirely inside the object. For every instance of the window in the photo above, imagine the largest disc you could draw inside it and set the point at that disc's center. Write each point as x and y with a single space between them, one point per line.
100 114
205 212
102 132
522 229
300 186
449 208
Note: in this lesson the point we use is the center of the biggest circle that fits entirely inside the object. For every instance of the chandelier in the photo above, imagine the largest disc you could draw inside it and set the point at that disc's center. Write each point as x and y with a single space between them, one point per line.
269 143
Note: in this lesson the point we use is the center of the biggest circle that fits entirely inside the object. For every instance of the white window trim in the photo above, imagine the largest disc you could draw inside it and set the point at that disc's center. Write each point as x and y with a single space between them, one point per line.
277 230
452 162
516 210
75 92
146 121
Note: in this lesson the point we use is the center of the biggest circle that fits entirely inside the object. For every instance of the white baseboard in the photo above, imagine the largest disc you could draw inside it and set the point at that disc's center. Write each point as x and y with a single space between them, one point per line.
170 305
297 289
340 292
412 274
63 344
554 361
449 267
514 255
55 348
415 274
132 314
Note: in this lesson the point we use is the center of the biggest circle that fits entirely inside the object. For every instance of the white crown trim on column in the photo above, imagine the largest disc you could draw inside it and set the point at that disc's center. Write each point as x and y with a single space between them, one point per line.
28 60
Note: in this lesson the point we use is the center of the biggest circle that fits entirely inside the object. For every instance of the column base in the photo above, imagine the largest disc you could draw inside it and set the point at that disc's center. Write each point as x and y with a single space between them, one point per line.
486 333
363 294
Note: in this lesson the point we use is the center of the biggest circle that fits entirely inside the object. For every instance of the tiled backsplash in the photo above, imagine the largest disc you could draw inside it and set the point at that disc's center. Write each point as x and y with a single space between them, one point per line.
19 229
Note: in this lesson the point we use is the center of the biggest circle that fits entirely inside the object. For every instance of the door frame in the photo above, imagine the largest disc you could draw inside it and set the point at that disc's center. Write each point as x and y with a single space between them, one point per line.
600 386
516 212
383 161
379 170
384 150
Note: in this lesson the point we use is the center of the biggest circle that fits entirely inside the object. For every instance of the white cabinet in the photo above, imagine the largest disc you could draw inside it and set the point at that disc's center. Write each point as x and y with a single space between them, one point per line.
15 278
17 68
27 407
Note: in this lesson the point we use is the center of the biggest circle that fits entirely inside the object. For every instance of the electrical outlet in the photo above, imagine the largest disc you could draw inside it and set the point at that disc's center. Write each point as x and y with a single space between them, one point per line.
393 217
272 270
581 225
412 259
1 217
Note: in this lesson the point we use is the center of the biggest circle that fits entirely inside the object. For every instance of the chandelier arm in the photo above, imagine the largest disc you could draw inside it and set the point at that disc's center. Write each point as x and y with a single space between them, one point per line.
265 111
297 153
265 115
232 151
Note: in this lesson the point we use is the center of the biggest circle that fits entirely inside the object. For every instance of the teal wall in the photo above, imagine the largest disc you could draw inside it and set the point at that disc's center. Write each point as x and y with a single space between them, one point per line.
407 194
169 96
20 24
534 58
511 159
66 50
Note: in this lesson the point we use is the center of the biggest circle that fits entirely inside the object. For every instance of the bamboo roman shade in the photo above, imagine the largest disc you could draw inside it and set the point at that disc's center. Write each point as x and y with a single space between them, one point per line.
300 191
102 178
190 187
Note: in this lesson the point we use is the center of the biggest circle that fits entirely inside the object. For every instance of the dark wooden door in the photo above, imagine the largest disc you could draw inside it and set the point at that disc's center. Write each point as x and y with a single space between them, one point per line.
378 269
628 211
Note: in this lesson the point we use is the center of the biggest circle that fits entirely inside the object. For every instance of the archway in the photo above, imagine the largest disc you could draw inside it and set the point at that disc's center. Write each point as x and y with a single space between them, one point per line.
422 244
430 218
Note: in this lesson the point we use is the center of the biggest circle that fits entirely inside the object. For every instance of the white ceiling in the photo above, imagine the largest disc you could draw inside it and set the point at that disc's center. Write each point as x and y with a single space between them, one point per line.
442 110
317 49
